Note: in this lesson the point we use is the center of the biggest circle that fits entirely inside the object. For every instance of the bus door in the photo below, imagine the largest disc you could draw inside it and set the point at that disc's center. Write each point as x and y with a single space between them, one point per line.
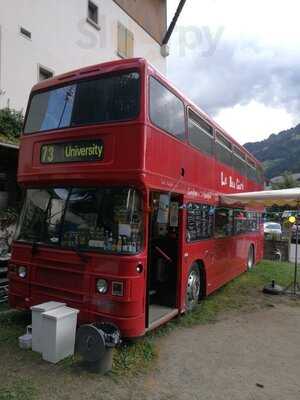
163 257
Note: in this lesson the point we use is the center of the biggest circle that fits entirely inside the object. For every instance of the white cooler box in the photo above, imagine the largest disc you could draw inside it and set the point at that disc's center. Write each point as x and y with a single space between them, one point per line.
59 327
37 318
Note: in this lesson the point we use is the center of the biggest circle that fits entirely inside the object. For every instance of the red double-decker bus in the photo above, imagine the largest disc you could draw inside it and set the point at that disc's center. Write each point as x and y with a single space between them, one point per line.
122 216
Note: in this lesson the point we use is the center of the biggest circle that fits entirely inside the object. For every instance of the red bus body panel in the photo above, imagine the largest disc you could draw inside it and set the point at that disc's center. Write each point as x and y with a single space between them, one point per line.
135 153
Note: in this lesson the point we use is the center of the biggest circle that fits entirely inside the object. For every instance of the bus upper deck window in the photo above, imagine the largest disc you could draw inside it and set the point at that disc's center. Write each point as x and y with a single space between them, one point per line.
106 98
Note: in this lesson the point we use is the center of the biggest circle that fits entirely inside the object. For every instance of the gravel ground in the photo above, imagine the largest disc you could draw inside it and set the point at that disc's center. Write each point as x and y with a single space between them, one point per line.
245 357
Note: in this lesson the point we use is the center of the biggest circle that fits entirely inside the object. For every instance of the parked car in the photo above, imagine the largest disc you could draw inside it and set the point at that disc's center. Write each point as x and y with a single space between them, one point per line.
272 229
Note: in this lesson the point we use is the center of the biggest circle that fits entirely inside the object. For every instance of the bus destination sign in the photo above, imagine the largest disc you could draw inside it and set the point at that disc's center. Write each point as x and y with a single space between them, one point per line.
76 151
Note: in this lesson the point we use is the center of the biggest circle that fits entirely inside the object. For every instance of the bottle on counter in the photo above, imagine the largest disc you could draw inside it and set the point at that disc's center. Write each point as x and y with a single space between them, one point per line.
124 244
114 245
101 238
133 244
119 245
138 245
110 242
105 240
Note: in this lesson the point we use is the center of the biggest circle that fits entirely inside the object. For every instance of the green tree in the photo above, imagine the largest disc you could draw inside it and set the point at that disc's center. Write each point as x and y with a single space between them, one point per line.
11 122
288 182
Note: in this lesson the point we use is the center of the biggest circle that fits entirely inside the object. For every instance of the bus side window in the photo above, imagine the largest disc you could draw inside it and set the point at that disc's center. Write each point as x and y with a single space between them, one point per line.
223 222
166 110
200 133
199 222
241 222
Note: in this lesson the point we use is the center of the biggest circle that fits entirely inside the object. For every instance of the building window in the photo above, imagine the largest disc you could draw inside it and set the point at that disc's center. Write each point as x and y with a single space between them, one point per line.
25 32
44 74
125 42
92 17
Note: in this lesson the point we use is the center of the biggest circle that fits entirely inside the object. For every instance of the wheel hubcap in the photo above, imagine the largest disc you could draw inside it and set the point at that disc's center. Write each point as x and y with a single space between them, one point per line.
250 259
193 288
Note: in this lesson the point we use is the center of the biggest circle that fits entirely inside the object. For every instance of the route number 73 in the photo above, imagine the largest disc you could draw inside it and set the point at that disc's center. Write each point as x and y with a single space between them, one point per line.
47 154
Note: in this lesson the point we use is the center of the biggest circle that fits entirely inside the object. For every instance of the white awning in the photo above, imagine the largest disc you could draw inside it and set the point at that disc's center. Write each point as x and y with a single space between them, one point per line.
264 198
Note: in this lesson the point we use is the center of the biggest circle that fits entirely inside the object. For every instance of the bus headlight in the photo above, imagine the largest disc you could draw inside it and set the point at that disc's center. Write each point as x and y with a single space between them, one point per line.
22 272
102 286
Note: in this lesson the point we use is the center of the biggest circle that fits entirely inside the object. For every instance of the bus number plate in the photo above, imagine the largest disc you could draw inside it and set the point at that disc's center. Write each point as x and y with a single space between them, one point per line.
77 151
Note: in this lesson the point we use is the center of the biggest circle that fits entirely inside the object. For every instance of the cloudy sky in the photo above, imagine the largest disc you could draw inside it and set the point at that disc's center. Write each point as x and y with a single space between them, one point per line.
240 62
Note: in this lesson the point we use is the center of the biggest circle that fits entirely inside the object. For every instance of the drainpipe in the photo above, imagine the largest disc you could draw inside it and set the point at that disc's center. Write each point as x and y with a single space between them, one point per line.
2 90
0 63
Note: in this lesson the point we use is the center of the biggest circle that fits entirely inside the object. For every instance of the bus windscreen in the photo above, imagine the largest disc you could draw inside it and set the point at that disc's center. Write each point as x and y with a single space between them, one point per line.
107 219
103 99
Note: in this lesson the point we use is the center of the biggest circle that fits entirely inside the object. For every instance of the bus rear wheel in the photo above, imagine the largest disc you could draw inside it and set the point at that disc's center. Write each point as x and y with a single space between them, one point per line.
193 288
250 259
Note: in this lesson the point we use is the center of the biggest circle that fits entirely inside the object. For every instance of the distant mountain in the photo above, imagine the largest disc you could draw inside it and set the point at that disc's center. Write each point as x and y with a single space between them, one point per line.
279 153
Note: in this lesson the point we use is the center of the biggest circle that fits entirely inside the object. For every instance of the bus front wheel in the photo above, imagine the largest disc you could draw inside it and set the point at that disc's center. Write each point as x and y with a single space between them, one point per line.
193 288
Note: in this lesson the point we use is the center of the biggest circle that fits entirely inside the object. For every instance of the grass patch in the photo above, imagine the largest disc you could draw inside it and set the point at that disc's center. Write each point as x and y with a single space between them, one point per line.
243 292
19 390
10 333
237 294
128 359
15 317
4 307
240 292
134 358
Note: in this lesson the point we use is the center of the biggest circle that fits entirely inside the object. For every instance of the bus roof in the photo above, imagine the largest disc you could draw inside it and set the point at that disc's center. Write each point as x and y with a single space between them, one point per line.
96 69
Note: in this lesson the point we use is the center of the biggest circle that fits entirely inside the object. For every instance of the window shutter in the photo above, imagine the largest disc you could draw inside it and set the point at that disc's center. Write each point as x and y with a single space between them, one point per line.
129 43
121 40
125 42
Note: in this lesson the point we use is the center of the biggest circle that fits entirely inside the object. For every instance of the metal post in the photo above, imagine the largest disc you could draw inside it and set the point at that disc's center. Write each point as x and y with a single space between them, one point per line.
1 88
296 260
294 288
296 256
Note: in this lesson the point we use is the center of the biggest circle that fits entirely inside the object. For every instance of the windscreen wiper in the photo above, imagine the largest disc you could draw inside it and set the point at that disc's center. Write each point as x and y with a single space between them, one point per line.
69 94
34 247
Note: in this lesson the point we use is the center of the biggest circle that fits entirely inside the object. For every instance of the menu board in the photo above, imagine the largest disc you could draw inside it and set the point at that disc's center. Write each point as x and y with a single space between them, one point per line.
199 221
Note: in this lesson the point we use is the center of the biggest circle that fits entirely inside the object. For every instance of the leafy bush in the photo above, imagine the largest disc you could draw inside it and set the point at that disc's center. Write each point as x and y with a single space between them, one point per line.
288 182
11 122
8 219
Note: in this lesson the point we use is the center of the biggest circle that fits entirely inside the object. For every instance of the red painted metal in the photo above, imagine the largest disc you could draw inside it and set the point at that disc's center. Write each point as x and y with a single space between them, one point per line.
136 153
